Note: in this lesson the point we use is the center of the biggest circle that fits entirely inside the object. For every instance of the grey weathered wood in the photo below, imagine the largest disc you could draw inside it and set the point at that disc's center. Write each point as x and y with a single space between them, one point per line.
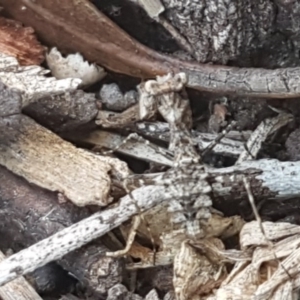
254 82
78 234
43 158
270 179
134 148
18 289
231 145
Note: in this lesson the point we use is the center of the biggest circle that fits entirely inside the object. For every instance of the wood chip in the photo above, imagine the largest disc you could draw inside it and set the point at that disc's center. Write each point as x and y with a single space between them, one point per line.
35 153
20 42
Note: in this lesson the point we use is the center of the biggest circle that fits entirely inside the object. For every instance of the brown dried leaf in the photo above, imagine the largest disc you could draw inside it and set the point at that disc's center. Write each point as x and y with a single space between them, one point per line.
20 42
197 273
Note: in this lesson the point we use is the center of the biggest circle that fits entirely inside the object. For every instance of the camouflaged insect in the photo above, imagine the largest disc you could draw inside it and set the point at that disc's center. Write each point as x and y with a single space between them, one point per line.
186 181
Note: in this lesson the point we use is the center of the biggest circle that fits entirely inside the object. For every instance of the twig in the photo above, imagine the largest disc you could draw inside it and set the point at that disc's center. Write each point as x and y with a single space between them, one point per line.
79 234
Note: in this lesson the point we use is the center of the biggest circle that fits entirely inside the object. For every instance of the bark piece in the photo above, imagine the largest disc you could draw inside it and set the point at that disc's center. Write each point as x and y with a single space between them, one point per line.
260 134
20 42
109 119
111 47
31 80
135 148
95 271
63 112
18 289
269 179
43 158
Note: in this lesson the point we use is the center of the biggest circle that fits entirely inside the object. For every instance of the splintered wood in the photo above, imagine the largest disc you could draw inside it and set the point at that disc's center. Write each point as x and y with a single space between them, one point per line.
262 272
31 80
43 158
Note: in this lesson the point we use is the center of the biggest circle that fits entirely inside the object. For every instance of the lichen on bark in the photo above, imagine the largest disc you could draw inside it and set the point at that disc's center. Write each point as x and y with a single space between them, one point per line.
222 30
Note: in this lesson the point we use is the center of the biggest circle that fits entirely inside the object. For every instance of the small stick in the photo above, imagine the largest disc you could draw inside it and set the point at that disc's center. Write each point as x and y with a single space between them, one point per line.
79 234
259 221
214 143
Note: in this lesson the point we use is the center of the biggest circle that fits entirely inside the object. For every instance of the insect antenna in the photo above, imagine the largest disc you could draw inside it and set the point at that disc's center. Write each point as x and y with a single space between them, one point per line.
220 136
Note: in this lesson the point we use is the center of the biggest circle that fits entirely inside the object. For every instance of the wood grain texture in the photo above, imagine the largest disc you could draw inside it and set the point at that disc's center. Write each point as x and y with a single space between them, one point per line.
35 153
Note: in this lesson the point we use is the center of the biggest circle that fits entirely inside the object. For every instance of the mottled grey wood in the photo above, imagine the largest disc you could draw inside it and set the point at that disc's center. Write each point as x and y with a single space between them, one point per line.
79 234
254 82
18 289
43 158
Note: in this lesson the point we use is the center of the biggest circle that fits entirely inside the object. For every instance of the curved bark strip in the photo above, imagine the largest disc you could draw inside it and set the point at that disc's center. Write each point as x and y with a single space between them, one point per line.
96 37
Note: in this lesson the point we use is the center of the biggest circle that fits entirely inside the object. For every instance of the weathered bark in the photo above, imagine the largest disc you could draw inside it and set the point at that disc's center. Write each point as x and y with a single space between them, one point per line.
63 112
20 42
138 149
111 47
30 214
35 153
31 80
223 31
